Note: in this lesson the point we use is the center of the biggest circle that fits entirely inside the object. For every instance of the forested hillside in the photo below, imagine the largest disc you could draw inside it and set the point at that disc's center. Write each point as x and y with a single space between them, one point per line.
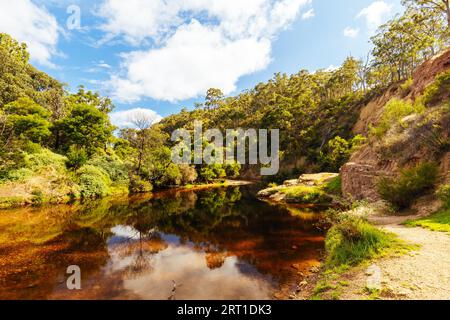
56 145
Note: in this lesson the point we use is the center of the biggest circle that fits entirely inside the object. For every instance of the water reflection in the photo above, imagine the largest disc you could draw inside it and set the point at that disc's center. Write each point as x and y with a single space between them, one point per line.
214 244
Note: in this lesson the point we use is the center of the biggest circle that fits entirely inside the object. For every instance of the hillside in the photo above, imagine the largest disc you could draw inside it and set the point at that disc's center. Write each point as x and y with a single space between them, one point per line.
411 138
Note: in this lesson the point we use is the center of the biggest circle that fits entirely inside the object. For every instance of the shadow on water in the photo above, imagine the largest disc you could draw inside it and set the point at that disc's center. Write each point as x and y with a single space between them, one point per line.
211 244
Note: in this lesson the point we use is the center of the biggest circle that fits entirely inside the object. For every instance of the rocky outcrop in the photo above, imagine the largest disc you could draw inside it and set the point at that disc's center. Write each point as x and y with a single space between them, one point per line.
375 160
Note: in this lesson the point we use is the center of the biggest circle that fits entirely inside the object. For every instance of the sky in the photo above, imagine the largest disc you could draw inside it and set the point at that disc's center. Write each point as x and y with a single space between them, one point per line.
159 56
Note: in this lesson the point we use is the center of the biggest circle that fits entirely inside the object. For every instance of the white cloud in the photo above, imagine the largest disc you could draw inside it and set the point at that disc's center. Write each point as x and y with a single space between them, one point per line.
376 14
351 32
124 119
197 44
309 14
34 25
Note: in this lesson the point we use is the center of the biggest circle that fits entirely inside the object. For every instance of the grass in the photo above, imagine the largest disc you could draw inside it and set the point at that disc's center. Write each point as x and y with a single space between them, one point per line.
412 183
394 111
306 195
436 222
354 240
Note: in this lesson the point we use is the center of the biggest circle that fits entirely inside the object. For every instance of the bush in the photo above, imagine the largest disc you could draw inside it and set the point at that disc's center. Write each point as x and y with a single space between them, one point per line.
444 194
441 86
338 152
94 182
410 184
353 240
113 166
394 111
188 174
334 186
76 157
137 185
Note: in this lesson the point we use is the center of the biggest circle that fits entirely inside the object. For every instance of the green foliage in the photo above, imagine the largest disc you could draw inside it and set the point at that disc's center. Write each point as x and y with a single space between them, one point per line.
439 90
339 151
94 182
437 222
306 195
406 86
28 120
353 240
116 169
334 186
76 157
444 194
207 174
394 111
137 185
85 127
172 176
411 183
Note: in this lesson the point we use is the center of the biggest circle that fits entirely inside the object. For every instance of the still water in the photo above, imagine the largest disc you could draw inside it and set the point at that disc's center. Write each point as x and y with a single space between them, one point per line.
211 244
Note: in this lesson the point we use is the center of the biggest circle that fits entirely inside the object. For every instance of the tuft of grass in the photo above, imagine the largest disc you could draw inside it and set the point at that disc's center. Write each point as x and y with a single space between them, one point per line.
334 186
306 195
436 222
411 183
434 92
354 240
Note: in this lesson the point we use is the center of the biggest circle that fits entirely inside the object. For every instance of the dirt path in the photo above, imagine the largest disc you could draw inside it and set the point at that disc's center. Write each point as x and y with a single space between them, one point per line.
423 274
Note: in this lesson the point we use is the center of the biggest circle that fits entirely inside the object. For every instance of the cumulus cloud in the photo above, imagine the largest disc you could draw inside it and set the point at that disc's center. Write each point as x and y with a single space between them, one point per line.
33 24
124 119
196 44
309 14
351 32
375 14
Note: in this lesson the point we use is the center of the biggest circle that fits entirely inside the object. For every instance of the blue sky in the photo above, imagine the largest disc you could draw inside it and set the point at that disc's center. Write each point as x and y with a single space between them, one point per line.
163 55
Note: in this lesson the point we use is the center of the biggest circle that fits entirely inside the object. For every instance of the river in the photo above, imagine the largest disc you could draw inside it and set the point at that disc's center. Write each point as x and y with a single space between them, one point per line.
218 243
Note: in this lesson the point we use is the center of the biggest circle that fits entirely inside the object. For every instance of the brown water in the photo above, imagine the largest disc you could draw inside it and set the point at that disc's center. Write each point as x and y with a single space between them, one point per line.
213 244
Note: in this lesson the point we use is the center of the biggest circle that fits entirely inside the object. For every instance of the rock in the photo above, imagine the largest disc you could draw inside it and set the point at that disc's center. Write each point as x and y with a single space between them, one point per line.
291 183
317 179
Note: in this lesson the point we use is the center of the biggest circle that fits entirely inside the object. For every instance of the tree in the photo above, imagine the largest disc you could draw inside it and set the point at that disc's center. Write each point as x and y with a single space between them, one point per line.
28 120
93 99
442 6
85 127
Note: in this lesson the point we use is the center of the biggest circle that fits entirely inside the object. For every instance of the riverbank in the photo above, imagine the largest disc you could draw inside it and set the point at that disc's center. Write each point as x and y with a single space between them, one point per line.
10 198
418 273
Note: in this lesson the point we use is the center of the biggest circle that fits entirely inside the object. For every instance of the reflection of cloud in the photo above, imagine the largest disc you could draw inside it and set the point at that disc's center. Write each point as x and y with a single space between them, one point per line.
195 280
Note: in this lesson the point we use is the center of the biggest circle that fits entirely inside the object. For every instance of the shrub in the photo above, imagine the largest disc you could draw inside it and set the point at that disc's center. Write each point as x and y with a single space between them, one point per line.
113 166
172 176
444 194
394 111
434 92
188 174
334 186
76 157
338 152
94 182
45 158
138 185
353 240
410 184
406 86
